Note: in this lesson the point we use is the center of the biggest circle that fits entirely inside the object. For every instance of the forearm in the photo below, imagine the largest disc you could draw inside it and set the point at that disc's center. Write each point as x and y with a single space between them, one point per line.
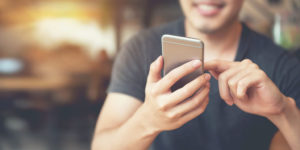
131 135
288 122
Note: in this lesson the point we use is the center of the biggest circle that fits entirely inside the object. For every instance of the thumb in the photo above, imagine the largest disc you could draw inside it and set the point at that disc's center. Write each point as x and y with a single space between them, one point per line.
218 66
155 70
214 74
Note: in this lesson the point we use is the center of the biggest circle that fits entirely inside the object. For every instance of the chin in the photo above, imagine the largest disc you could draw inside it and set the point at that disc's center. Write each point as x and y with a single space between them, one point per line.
204 26
211 16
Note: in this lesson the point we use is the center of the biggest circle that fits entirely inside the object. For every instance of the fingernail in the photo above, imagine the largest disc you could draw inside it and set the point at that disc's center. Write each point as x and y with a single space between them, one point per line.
207 76
157 60
231 103
196 63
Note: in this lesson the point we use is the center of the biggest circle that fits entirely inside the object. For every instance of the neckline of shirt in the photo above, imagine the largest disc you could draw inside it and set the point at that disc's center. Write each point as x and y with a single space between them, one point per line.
243 45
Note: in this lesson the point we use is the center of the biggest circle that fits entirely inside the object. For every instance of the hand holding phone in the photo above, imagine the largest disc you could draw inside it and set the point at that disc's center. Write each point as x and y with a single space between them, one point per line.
163 110
177 51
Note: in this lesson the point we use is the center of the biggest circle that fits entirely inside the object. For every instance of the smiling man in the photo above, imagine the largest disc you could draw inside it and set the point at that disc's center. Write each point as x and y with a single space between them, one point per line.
252 98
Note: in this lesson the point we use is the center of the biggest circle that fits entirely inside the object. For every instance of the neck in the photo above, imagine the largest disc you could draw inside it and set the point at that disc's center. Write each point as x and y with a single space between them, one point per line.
224 40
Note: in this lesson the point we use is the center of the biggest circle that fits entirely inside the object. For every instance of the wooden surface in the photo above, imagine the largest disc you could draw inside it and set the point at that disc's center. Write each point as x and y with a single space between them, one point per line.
32 83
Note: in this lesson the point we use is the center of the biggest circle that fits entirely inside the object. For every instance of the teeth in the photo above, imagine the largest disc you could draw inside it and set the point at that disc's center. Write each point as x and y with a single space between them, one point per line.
208 7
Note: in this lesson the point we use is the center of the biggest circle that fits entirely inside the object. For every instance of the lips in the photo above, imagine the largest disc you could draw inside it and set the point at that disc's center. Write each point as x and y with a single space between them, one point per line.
208 8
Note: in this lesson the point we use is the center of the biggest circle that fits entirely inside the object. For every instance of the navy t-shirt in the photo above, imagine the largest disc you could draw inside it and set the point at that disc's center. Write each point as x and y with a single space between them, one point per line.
220 127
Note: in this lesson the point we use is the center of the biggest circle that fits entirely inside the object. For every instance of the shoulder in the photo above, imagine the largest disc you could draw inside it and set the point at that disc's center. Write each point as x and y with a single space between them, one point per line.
273 59
262 49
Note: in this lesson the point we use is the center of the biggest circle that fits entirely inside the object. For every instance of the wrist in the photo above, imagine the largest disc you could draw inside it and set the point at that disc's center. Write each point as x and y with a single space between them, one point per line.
144 120
288 109
288 123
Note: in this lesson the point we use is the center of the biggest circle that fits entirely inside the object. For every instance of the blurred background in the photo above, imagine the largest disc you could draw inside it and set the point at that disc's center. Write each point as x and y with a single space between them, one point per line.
56 58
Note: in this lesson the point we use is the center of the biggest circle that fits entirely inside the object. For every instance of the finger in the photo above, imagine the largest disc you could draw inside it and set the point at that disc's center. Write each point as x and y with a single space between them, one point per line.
243 103
224 88
233 81
192 103
155 70
247 82
218 66
172 77
215 69
224 78
189 89
196 112
214 74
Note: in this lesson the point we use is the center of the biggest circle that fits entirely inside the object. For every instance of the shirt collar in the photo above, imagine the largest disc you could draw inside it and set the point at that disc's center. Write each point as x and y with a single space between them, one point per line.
243 45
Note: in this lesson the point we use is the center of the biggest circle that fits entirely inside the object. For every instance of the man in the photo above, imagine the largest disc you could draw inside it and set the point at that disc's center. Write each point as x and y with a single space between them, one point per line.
254 92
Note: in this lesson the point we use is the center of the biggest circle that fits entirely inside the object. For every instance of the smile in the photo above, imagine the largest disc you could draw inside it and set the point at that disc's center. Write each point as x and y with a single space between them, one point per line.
208 8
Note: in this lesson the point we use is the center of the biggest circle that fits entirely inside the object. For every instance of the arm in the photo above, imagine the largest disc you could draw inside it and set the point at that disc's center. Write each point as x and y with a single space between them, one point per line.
117 123
249 88
279 142
288 122
125 123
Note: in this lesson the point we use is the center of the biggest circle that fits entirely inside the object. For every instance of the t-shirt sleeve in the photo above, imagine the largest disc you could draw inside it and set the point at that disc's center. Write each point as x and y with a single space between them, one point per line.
128 73
289 68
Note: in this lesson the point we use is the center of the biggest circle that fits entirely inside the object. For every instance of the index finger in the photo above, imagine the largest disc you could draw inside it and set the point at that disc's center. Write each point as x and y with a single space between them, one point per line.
218 65
176 74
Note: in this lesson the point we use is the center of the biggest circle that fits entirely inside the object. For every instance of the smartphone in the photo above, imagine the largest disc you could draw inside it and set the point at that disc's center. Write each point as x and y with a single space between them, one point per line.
176 51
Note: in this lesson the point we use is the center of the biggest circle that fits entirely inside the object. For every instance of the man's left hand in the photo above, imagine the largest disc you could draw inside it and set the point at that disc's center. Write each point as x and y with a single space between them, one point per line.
247 86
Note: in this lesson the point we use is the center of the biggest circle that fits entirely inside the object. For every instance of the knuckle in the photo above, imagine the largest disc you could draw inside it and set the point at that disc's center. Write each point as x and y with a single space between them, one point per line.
261 73
222 77
185 89
162 106
241 84
171 116
153 91
171 77
247 61
231 82
255 66
197 101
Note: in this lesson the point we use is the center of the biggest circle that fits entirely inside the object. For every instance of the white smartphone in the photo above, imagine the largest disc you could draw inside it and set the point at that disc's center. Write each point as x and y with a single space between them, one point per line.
178 50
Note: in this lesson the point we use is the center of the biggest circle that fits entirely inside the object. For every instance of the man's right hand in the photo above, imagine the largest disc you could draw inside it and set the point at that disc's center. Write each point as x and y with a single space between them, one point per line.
165 110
